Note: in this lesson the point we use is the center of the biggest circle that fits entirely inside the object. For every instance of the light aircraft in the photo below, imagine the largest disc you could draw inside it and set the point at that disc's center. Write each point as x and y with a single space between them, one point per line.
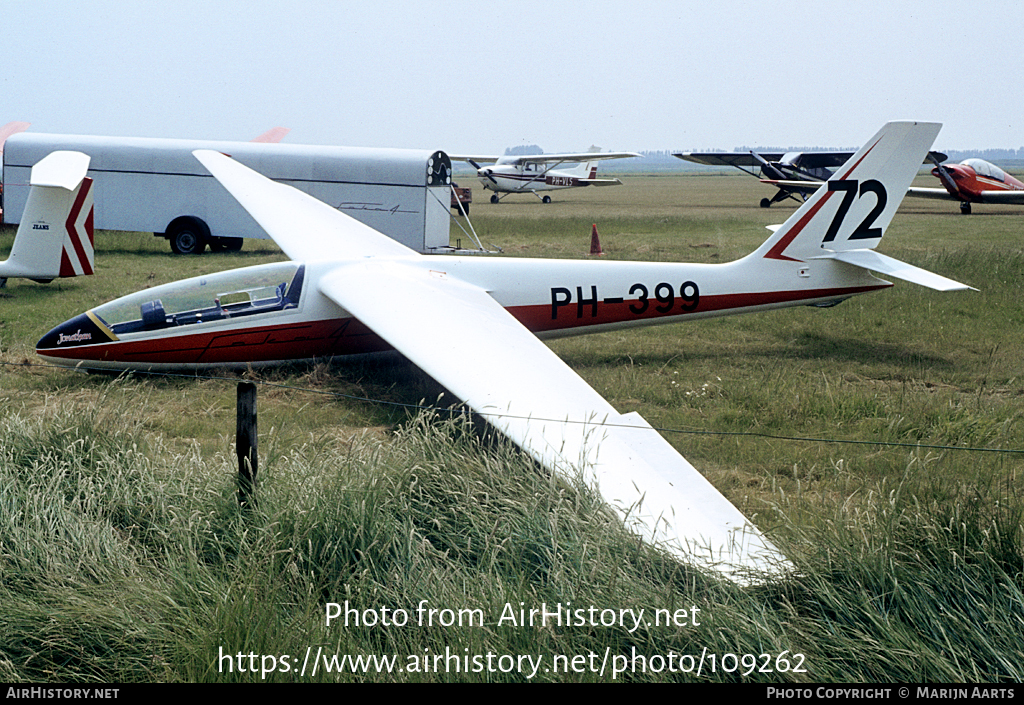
349 289
55 237
972 181
540 172
796 175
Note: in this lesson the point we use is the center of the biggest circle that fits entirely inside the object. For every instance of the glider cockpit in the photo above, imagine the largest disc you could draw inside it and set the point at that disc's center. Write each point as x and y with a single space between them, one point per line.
246 292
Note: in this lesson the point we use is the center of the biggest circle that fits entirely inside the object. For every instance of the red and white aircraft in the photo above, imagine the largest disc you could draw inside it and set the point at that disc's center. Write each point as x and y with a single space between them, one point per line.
349 289
55 237
540 172
972 181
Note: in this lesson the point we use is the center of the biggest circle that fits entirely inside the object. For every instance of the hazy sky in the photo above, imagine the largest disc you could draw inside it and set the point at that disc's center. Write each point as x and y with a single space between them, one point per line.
477 77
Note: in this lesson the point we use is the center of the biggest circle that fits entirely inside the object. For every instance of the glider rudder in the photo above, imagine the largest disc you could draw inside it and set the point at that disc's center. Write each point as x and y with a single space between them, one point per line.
55 236
845 219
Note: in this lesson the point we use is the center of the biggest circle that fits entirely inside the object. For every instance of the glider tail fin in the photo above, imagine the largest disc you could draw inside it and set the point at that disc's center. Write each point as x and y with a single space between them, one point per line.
55 236
844 220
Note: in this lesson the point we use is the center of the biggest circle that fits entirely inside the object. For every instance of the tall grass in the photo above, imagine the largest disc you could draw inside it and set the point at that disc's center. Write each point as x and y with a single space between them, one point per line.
125 559
124 556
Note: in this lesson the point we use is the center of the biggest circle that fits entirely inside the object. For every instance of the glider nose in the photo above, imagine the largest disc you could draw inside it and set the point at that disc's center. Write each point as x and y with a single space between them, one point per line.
80 330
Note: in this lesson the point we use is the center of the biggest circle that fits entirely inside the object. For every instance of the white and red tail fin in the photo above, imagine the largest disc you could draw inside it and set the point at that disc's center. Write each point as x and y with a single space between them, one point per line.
55 237
844 220
273 135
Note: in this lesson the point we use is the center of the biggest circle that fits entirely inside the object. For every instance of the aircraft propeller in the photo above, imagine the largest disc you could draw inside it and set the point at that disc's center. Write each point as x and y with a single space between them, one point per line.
943 173
482 171
948 181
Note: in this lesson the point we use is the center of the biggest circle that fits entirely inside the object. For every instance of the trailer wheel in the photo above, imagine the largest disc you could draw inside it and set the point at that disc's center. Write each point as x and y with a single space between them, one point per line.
188 237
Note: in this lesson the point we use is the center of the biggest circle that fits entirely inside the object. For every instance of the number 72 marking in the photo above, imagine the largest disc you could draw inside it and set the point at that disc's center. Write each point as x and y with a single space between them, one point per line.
864 231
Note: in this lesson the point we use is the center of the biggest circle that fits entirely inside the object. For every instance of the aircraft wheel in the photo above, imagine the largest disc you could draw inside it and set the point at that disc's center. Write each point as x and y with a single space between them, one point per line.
546 199
494 198
765 203
188 237
965 208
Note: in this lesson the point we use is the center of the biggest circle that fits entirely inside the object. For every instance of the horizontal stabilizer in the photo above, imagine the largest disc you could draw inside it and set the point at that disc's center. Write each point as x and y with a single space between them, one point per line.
600 182
60 170
876 262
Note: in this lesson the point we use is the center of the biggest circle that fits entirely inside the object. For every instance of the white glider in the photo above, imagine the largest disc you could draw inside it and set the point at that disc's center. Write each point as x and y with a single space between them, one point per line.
349 289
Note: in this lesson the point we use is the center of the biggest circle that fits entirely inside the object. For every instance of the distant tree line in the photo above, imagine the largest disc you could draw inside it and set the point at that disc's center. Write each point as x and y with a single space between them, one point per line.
991 155
523 149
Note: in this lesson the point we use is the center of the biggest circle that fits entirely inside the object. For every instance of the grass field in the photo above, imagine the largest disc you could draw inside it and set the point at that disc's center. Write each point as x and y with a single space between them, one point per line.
878 443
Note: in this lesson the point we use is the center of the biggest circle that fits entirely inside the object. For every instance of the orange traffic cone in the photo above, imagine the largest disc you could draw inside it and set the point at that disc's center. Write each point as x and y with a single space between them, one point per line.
595 243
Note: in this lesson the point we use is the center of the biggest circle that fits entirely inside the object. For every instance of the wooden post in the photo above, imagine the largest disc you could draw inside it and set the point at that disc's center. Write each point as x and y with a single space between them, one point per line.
245 443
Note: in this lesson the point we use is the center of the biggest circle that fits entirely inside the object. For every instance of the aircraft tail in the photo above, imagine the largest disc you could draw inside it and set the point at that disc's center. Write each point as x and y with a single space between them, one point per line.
844 220
587 170
55 237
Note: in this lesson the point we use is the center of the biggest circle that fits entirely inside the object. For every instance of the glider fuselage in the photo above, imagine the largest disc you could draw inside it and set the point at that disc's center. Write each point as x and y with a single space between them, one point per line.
275 312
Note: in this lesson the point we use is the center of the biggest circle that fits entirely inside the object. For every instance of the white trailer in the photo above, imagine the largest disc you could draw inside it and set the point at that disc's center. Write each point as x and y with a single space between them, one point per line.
156 185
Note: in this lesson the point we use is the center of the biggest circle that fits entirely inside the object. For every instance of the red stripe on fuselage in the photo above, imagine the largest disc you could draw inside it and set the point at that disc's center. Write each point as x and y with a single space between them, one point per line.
572 315
262 343
350 337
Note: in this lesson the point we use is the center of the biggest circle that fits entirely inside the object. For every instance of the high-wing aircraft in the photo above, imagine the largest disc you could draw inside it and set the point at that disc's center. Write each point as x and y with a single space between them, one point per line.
541 172
54 238
972 181
796 175
349 289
